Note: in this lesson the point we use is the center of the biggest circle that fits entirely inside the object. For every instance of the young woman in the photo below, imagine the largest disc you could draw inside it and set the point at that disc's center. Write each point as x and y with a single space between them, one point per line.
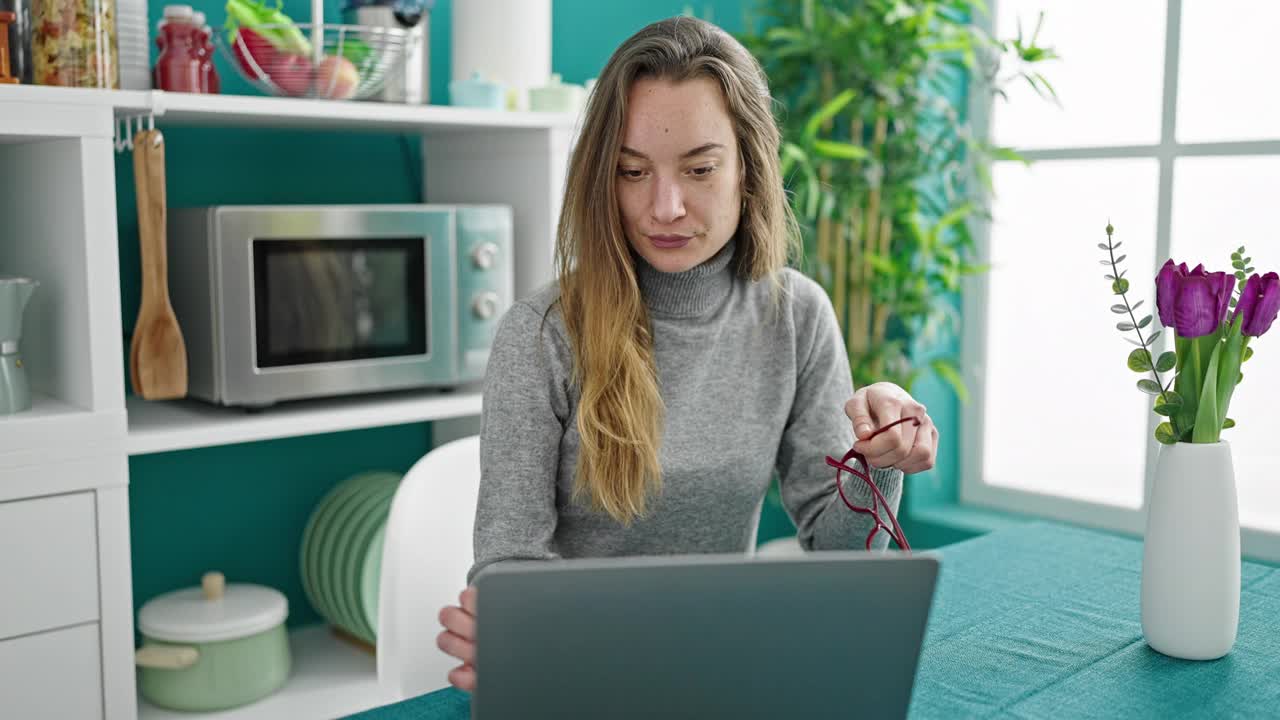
641 404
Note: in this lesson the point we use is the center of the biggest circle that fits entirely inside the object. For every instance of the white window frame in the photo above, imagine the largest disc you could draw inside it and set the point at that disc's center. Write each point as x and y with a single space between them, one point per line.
1259 544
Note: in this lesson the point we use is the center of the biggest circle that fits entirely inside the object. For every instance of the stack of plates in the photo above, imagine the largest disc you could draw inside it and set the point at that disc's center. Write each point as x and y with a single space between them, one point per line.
341 554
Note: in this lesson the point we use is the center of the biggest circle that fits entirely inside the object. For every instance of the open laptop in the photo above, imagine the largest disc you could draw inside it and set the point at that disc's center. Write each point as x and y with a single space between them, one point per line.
824 635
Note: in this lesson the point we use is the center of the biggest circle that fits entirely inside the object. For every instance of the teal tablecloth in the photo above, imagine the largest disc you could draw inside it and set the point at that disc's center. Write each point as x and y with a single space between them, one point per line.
1042 621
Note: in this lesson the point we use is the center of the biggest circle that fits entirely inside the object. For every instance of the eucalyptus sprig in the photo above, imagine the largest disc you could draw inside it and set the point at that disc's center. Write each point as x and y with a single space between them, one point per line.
1168 401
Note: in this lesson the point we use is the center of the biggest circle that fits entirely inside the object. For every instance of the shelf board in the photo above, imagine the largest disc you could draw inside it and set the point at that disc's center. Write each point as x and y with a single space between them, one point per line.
183 424
260 111
52 430
330 679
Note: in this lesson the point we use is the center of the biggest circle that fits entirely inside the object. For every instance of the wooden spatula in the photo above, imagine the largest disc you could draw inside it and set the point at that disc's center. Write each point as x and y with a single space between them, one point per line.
158 355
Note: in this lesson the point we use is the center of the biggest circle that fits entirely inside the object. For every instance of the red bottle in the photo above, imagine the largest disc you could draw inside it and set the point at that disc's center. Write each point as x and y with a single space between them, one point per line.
204 48
177 69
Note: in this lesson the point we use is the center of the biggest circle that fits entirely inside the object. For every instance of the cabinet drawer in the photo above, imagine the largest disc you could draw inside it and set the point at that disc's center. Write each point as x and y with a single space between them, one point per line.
53 675
48 563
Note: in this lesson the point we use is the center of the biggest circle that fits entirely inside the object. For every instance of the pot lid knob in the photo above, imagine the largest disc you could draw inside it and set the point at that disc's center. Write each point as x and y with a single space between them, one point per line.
213 583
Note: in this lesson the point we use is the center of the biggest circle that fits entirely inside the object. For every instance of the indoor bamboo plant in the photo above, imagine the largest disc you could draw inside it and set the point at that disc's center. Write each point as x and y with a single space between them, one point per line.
881 160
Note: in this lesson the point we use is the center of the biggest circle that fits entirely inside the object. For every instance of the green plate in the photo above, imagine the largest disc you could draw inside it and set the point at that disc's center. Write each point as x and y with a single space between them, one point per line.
338 582
331 547
354 557
371 581
323 539
311 537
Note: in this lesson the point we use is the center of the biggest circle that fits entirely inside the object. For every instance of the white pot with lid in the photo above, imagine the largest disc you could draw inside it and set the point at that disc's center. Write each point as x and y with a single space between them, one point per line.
214 647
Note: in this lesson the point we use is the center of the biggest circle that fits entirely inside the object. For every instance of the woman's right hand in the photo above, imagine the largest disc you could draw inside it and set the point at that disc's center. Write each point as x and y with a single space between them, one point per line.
459 638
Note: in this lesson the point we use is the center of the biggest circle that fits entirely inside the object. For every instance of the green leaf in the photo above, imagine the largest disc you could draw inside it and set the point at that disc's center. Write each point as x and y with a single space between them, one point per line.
1167 361
1121 259
880 263
947 371
839 150
1165 409
1148 386
1164 433
1140 360
1124 326
1120 287
1208 423
1228 424
1144 322
1248 353
826 112
1103 246
1119 309
1171 397
1152 340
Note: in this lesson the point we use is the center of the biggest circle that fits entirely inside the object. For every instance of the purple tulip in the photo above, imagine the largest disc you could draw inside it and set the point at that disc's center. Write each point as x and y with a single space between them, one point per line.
1167 290
1193 303
1259 303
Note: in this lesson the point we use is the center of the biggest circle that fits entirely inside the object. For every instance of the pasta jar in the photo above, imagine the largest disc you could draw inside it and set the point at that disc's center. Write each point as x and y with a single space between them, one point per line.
73 43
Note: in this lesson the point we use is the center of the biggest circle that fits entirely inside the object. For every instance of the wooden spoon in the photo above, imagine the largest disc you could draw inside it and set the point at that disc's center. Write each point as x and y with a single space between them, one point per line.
158 355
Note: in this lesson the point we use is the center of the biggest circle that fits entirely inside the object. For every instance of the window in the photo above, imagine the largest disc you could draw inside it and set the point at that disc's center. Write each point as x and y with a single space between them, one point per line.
1170 129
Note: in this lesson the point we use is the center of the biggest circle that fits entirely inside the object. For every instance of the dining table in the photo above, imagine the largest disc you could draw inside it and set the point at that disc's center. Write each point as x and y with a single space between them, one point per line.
1043 620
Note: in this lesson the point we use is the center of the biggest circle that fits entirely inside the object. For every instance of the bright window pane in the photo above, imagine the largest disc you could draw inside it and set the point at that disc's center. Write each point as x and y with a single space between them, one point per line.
1061 411
1219 205
1226 73
1108 79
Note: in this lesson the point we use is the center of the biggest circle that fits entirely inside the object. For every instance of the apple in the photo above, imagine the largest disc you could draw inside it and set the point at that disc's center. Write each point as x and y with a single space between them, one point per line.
292 73
336 78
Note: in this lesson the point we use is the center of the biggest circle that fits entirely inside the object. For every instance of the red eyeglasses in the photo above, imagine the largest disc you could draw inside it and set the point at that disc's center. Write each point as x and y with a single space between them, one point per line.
878 500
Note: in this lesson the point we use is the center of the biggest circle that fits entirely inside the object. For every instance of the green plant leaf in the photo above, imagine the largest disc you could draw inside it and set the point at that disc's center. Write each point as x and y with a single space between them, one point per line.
839 150
1148 386
1228 424
1208 423
1152 339
1119 309
1167 361
1120 287
826 112
1124 326
1164 433
1248 353
1165 409
1144 322
1140 360
947 371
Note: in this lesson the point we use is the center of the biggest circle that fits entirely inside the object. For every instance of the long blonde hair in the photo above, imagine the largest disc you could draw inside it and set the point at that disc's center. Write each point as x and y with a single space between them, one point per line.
620 411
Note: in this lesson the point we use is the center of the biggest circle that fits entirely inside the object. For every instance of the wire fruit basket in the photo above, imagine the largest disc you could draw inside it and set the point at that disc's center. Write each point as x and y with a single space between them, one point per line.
340 62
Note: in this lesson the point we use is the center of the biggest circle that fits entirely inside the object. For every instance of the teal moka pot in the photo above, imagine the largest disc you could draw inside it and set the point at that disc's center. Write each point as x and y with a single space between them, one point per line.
15 390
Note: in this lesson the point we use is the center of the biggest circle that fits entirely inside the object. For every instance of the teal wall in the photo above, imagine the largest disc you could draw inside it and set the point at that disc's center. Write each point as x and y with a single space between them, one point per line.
241 508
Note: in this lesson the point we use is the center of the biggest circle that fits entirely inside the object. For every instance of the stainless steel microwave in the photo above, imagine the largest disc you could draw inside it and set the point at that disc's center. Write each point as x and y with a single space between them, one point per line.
290 302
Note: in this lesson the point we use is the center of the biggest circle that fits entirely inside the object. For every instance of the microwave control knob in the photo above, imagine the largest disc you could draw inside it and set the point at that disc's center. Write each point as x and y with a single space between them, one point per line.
485 305
485 255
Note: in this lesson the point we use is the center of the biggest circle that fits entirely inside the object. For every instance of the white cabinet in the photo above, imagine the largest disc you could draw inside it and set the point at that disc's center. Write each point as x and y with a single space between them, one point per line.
49 564
52 675
66 605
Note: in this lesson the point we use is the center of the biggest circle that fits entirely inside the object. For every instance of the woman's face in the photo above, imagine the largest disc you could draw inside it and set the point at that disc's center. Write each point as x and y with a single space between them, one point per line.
679 175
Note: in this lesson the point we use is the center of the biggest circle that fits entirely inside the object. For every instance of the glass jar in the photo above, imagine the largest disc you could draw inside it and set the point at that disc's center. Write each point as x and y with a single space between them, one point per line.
73 43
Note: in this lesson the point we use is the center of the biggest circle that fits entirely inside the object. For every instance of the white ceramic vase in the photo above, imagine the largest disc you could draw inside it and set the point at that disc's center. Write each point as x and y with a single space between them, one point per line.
1191 553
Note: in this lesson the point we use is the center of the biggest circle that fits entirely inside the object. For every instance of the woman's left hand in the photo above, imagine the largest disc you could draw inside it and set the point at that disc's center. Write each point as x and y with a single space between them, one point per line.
907 447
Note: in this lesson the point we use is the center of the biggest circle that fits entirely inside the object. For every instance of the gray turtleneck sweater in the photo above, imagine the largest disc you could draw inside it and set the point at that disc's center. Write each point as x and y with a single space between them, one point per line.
747 391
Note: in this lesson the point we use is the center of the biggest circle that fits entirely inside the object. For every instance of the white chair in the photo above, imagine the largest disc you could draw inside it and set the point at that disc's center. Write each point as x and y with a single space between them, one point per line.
780 547
425 559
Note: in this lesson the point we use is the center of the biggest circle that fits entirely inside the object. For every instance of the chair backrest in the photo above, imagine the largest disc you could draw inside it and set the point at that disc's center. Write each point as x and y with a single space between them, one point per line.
425 559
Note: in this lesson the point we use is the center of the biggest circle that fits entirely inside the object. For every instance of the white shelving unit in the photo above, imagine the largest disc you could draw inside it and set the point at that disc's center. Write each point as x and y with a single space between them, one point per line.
330 678
59 227
180 425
